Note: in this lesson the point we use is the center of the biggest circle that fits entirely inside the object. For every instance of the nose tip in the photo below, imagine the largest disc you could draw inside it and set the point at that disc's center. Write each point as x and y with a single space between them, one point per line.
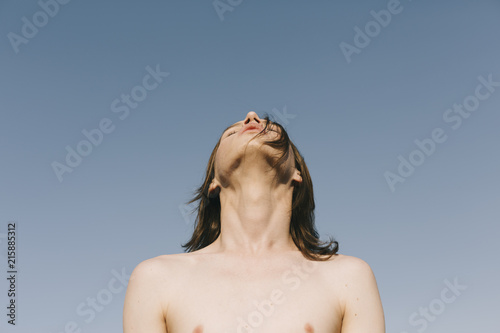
252 116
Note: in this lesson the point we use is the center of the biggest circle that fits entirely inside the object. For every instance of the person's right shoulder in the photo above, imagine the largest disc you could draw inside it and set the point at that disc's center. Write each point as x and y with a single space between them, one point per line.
146 300
160 271
160 264
153 265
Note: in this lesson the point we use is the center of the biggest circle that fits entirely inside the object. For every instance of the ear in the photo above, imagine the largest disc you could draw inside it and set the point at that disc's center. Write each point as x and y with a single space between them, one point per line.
297 177
214 188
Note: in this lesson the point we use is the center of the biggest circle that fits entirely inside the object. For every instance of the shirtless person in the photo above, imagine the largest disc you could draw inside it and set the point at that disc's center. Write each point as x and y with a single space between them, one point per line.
254 262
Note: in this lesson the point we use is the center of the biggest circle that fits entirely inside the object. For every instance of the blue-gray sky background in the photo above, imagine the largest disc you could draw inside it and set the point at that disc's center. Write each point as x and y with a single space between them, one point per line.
350 119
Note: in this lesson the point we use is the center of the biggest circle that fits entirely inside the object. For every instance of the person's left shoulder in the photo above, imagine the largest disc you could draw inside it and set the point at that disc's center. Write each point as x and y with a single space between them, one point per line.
356 288
346 271
350 264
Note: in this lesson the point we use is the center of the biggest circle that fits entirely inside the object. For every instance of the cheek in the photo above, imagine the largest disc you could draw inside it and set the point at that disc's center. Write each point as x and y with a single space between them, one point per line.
221 151
220 159
224 150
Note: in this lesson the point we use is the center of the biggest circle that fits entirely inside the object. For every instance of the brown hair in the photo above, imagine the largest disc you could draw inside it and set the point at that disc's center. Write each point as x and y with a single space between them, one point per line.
302 228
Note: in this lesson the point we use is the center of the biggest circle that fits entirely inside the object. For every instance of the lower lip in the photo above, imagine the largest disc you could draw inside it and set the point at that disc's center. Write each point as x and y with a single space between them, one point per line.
251 129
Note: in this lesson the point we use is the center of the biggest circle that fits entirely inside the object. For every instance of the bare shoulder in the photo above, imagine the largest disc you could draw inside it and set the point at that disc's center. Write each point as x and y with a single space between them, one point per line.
151 285
355 283
156 269
348 273
345 264
152 275
151 267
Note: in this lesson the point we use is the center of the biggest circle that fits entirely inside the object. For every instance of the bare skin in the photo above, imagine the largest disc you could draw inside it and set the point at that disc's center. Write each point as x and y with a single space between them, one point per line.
252 278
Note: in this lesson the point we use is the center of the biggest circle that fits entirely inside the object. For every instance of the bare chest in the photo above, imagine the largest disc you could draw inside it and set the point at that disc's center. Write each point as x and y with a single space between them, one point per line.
291 297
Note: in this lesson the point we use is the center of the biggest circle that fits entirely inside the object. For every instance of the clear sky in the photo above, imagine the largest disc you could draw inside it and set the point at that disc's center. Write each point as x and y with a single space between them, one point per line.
110 110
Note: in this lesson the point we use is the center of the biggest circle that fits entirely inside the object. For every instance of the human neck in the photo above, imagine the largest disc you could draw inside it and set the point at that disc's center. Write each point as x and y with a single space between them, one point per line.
255 215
